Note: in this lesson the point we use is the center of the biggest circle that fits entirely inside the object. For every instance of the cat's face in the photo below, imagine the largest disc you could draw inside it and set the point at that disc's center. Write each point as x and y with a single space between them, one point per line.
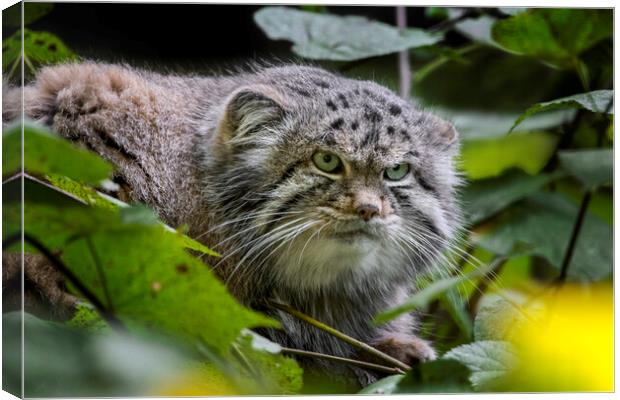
335 184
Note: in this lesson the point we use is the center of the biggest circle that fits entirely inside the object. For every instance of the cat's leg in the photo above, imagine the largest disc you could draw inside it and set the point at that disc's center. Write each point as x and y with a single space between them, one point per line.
398 340
127 117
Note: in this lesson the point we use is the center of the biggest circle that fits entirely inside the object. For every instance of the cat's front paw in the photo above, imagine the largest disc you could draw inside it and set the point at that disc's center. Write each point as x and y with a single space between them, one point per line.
406 348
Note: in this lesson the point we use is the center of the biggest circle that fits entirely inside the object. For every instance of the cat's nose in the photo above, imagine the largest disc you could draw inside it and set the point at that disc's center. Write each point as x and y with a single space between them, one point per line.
367 211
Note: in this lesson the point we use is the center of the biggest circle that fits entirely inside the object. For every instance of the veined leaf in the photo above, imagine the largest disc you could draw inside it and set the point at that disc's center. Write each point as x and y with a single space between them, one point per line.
556 36
138 268
331 37
593 167
47 153
597 101
488 360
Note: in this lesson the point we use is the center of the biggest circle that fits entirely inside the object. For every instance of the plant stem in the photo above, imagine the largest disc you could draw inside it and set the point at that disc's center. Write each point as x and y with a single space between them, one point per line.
344 360
342 336
585 201
61 267
441 60
404 67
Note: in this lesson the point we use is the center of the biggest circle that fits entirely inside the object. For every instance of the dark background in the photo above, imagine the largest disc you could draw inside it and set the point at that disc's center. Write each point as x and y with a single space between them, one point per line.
179 34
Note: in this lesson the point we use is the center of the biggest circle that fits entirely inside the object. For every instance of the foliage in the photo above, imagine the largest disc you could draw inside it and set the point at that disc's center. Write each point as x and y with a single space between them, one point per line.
496 313
327 37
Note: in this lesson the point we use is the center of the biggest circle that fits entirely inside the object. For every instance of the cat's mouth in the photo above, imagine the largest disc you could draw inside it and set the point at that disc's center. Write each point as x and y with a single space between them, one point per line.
350 235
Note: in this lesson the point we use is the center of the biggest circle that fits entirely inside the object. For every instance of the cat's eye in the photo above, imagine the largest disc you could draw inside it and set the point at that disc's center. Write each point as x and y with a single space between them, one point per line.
327 162
396 172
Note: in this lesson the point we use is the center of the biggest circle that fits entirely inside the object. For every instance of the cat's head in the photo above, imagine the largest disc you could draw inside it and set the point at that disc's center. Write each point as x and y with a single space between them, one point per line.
318 179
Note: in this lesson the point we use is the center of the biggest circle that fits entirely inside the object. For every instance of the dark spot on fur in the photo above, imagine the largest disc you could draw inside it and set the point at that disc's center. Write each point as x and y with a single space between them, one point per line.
337 124
405 134
366 91
343 100
424 183
331 105
354 125
321 83
413 153
394 109
299 91
390 130
356 91
372 115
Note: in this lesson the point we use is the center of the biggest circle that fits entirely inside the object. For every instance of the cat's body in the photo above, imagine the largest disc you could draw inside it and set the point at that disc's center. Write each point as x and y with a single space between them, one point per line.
235 159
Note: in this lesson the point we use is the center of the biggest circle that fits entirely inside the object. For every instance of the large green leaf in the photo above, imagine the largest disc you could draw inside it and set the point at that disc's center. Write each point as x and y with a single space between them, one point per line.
47 153
135 266
488 360
599 101
484 198
331 37
499 316
40 48
557 36
485 158
542 225
593 167
439 376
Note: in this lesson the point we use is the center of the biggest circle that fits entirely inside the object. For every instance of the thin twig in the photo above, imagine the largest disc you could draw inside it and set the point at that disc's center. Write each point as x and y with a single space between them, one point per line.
62 268
482 286
344 360
342 336
404 67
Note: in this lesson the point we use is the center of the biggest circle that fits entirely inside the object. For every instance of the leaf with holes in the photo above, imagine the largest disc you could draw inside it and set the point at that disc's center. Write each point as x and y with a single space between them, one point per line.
331 37
39 47
600 101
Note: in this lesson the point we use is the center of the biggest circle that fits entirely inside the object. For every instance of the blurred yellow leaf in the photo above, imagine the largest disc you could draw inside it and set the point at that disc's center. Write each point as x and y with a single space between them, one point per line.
200 380
569 346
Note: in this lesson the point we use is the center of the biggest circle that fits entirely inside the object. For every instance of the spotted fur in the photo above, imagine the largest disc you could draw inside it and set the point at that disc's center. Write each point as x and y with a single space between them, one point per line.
231 157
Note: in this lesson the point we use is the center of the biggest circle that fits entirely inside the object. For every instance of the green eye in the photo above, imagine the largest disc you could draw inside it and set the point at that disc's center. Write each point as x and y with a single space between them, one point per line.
397 173
327 162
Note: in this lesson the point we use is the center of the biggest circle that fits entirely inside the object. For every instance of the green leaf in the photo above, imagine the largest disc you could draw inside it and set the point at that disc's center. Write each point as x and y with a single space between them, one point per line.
47 153
485 158
488 360
592 167
12 16
140 271
40 48
424 296
542 224
331 37
485 198
599 101
438 376
556 36
456 305
65 362
267 367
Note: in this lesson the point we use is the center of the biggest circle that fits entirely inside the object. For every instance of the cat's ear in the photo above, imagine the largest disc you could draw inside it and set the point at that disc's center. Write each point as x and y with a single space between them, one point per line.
447 133
250 109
